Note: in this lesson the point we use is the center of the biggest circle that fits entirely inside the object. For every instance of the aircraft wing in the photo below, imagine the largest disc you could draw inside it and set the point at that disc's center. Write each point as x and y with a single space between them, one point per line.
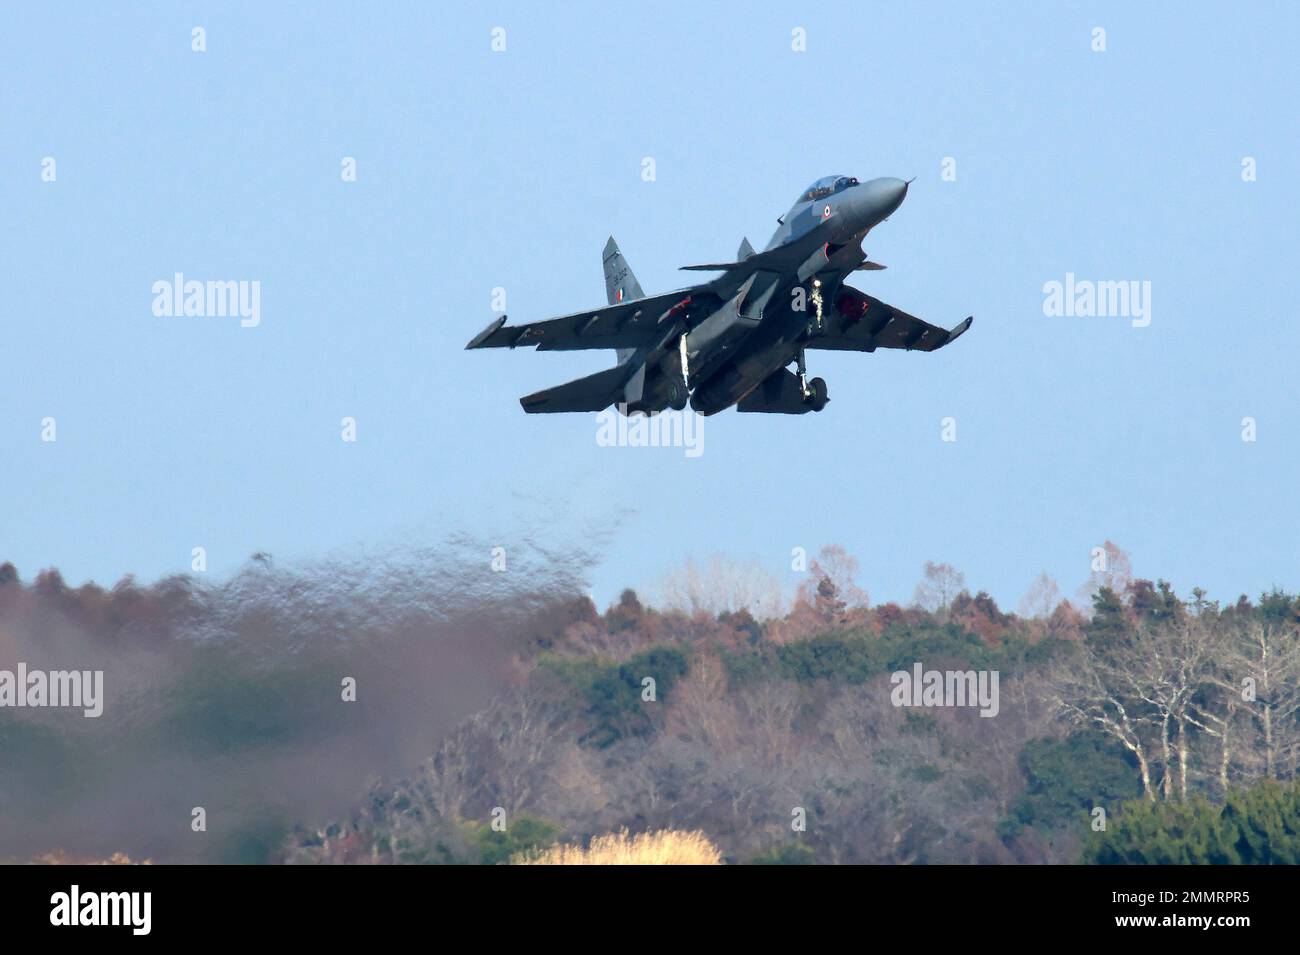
861 322
629 324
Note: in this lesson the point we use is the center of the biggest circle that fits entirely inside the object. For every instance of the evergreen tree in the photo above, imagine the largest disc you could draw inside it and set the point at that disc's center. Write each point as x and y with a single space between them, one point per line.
1255 826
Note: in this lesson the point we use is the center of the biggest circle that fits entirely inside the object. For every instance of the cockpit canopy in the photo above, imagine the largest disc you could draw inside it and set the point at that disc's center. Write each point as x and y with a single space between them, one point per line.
826 186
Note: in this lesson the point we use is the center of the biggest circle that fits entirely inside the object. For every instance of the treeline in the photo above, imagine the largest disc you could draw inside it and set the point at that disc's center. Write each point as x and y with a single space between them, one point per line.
778 739
503 722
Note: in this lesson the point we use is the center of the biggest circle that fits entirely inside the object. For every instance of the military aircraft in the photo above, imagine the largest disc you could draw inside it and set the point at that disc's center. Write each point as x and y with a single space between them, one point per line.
731 340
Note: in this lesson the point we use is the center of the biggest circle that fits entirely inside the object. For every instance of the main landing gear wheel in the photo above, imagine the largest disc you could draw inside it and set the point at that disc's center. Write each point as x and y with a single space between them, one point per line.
678 396
814 392
816 396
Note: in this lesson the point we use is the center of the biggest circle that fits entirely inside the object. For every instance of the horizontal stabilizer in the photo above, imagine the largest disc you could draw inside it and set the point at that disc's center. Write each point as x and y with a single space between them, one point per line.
711 267
593 393
771 260
479 340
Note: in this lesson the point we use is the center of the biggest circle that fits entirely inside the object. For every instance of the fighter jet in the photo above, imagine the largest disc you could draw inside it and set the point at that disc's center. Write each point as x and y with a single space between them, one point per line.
732 340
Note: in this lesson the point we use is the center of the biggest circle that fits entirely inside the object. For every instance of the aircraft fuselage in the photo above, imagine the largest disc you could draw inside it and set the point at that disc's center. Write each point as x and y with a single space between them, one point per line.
827 233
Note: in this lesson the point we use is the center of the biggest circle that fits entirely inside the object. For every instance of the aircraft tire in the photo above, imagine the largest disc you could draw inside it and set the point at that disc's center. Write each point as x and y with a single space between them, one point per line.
817 394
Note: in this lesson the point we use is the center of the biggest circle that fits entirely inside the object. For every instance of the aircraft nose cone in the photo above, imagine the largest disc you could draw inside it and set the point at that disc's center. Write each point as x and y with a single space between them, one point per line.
877 199
892 192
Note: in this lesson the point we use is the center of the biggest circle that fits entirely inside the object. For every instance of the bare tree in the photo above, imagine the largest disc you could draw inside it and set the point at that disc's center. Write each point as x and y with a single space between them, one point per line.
1043 597
939 585
1216 712
1092 691
837 566
1112 568
722 585
1268 656
1149 692
1173 664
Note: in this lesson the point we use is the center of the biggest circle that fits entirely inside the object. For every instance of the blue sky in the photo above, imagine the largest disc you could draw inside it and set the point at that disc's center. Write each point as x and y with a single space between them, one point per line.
479 169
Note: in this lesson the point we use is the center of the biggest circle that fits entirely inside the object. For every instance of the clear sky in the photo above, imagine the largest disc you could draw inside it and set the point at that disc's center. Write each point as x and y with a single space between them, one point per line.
479 169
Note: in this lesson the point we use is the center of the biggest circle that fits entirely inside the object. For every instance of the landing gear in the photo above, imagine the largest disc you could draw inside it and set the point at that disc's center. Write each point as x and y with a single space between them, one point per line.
678 396
814 392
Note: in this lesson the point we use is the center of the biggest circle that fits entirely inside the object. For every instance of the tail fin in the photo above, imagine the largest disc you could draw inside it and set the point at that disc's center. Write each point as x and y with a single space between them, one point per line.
620 284
746 250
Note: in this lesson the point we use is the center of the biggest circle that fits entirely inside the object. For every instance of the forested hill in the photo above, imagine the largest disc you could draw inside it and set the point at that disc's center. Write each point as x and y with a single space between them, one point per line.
757 725
479 734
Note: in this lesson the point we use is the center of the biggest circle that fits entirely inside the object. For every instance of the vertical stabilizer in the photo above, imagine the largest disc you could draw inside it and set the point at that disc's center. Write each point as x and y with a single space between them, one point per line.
620 284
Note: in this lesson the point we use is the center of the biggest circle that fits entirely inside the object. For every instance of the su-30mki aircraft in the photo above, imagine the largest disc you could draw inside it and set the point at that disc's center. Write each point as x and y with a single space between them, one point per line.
731 340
